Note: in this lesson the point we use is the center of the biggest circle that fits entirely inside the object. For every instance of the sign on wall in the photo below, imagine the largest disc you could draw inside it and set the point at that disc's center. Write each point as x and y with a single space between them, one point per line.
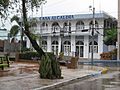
65 17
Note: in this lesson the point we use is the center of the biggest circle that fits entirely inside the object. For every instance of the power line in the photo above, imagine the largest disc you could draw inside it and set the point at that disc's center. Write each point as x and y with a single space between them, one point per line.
69 32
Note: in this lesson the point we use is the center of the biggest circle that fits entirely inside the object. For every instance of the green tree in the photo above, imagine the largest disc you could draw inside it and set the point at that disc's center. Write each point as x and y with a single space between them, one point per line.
4 7
110 36
49 67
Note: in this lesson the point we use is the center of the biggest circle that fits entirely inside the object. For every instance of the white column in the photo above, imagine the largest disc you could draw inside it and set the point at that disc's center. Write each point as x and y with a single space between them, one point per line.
86 47
100 45
59 45
73 46
49 44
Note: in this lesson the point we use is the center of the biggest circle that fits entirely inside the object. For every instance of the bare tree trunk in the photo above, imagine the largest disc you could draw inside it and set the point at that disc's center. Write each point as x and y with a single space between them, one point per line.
35 45
27 32
49 67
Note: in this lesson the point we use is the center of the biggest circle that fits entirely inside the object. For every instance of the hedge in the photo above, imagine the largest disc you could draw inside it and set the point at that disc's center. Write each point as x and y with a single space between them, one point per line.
32 55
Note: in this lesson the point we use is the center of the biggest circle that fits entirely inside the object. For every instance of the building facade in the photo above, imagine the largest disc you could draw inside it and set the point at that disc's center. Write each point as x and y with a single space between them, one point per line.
71 34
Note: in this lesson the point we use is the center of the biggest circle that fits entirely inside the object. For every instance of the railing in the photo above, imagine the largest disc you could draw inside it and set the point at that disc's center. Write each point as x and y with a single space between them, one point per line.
50 31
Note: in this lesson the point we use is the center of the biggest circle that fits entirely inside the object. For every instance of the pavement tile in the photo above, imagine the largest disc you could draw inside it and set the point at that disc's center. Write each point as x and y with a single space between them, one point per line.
24 76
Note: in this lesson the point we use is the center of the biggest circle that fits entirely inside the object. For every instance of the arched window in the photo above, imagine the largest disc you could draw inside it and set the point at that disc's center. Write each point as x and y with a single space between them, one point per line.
79 43
91 25
80 25
80 49
67 48
95 49
55 27
44 45
55 47
66 43
44 26
55 43
67 26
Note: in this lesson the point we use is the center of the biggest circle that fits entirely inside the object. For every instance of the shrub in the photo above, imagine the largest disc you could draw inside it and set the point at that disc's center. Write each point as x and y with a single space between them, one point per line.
49 67
29 55
33 55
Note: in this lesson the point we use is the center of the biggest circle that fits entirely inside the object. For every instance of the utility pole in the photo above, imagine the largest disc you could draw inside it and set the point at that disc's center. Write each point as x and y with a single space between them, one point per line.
92 33
118 33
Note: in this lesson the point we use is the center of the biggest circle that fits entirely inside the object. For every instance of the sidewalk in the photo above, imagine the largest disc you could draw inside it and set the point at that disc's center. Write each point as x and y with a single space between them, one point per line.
24 76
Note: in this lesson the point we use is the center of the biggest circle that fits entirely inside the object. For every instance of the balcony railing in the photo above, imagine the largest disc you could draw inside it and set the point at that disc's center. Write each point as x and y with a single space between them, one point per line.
57 31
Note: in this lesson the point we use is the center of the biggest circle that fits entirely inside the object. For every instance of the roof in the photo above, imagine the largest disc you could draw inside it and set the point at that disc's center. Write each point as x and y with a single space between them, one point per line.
103 15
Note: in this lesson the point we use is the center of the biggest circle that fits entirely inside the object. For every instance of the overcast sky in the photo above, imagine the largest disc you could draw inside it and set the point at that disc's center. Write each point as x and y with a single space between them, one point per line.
61 7
65 7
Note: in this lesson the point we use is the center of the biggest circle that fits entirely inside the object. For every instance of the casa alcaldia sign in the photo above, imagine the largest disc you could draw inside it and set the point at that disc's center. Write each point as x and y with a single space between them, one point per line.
65 17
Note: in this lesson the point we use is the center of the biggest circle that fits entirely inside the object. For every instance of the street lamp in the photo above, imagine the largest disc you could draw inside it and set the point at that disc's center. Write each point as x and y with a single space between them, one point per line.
92 33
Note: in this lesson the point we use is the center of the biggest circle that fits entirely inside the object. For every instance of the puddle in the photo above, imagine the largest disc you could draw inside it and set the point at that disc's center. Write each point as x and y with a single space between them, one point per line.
112 82
19 69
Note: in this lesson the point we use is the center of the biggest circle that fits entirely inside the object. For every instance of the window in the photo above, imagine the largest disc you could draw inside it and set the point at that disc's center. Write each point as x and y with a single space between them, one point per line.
79 25
110 23
55 47
55 27
67 26
44 45
67 48
79 43
91 24
95 49
80 48
44 26
55 43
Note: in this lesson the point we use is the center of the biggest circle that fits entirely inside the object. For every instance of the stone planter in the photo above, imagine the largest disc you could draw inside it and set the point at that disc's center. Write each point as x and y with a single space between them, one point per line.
72 63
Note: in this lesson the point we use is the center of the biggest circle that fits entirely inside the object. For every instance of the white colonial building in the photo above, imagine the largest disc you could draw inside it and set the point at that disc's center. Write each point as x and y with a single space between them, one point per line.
71 34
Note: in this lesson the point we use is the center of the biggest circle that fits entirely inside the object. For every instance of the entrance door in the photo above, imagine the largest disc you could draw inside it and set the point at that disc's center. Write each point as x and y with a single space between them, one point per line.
79 50
55 49
66 50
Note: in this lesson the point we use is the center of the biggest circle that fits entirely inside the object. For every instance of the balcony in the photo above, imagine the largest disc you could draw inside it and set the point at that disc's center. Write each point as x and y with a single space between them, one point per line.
58 31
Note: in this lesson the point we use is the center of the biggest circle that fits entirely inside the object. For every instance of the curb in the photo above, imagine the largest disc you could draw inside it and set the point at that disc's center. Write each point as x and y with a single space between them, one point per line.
59 84
73 80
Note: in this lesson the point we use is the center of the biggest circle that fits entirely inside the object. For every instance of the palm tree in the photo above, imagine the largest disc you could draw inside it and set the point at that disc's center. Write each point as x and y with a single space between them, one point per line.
110 36
15 28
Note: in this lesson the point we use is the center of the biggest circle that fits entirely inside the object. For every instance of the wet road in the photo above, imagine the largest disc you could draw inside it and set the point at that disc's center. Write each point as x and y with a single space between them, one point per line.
110 81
